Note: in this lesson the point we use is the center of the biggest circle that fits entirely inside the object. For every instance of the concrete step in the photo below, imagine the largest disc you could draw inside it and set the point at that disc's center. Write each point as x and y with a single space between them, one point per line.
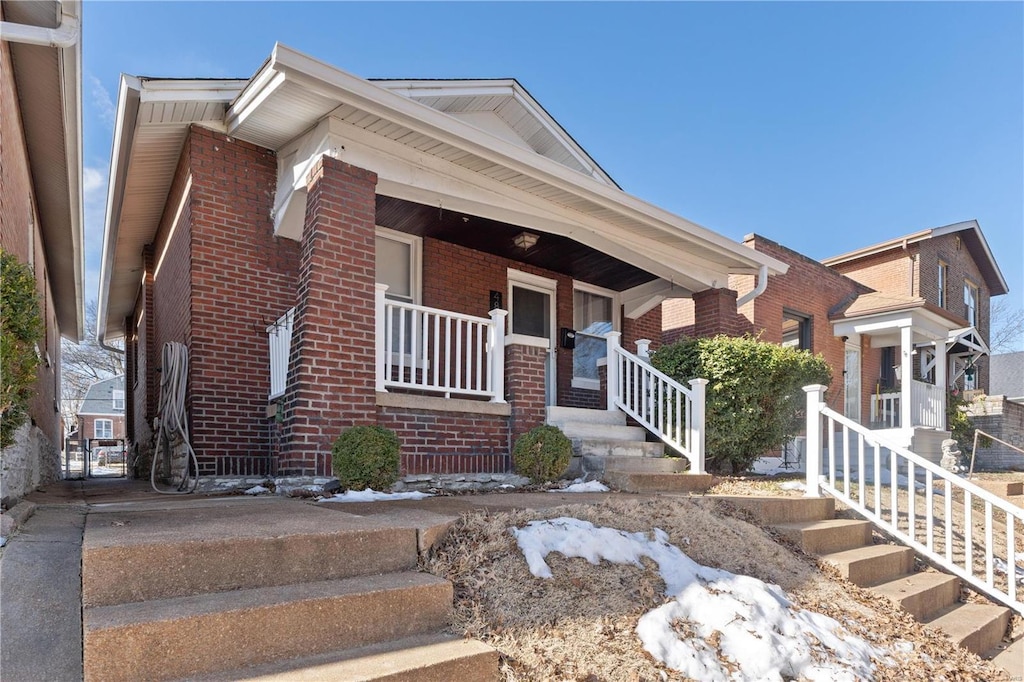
133 556
652 465
430 658
827 535
639 482
557 416
188 636
620 432
775 510
598 447
922 594
975 627
872 565
1008 655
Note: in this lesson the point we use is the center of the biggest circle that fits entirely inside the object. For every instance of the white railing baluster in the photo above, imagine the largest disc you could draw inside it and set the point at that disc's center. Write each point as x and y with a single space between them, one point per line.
968 533
279 338
846 460
894 489
861 477
878 480
1011 571
911 501
929 518
831 452
437 351
988 547
949 520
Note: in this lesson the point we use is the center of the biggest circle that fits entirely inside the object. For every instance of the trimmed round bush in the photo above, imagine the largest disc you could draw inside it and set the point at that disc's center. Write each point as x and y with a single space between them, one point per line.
366 457
542 454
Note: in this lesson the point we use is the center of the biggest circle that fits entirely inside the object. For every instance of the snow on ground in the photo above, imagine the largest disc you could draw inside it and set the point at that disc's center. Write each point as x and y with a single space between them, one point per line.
257 490
718 625
1002 567
579 486
793 485
371 495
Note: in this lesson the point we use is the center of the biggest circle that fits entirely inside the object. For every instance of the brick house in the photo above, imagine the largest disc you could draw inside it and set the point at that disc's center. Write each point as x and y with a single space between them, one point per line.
102 414
41 207
438 257
924 296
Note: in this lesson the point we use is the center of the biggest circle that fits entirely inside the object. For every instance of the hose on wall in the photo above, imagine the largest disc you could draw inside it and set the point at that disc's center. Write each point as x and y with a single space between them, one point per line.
173 429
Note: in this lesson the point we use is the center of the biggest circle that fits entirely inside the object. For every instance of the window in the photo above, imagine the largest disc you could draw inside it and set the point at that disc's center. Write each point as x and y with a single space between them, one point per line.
887 373
971 303
399 265
531 305
593 316
118 399
103 428
943 278
796 330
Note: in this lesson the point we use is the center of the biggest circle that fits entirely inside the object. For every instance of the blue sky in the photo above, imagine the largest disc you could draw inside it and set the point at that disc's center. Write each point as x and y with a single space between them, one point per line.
824 126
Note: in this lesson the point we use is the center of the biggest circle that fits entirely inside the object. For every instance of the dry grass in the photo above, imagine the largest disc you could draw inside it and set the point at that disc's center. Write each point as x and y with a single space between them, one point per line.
579 625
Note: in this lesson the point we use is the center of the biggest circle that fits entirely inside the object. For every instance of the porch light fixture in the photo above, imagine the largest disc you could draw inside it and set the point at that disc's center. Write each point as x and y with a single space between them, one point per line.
525 240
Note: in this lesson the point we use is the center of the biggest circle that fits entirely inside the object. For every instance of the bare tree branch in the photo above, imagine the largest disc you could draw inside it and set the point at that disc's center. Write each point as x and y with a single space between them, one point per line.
84 364
1007 331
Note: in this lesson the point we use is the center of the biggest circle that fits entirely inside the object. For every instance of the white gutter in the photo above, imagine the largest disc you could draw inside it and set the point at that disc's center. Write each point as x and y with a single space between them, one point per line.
65 34
762 284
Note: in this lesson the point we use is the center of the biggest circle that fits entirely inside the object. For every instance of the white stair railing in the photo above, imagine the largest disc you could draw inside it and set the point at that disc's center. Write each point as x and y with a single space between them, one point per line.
928 403
919 503
885 409
659 403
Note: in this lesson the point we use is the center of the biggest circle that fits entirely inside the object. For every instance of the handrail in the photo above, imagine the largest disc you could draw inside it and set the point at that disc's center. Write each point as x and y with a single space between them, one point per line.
659 403
920 480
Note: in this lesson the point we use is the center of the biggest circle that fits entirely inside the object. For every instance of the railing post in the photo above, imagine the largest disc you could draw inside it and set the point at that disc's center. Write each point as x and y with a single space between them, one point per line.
815 396
381 341
643 349
496 353
613 368
697 431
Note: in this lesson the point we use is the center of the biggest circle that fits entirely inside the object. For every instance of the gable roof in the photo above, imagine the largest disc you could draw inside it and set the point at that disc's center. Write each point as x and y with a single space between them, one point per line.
302 108
1006 375
48 78
968 230
99 399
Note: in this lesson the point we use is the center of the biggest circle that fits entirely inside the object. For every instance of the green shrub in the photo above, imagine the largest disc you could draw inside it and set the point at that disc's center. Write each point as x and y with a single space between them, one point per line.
21 328
755 401
366 457
542 454
960 425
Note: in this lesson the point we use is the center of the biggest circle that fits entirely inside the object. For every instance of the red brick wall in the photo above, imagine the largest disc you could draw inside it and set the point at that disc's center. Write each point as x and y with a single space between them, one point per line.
894 271
715 313
332 375
448 442
647 326
20 235
524 386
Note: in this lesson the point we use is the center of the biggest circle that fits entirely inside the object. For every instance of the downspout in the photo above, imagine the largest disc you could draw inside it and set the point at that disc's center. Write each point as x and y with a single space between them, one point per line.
762 284
64 35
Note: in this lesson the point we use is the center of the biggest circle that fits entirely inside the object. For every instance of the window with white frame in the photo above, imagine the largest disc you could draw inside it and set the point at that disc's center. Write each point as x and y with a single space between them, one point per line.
399 265
971 303
943 278
118 399
103 428
594 315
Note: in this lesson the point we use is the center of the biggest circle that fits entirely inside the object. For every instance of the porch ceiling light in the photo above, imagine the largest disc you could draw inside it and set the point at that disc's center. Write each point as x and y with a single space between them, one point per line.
525 240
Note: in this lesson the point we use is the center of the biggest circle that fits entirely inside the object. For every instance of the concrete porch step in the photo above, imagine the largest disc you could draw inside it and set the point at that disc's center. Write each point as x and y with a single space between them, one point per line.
922 594
640 482
595 431
187 636
873 564
132 556
557 416
653 465
608 447
975 627
430 658
827 535
775 510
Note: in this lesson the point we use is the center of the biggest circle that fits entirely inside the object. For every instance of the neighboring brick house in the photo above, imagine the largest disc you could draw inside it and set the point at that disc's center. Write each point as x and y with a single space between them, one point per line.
41 207
864 312
334 251
101 416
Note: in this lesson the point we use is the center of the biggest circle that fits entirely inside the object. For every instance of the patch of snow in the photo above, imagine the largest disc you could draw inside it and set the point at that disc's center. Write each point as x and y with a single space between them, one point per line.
1002 567
578 486
371 495
793 485
3 541
506 486
760 634
257 490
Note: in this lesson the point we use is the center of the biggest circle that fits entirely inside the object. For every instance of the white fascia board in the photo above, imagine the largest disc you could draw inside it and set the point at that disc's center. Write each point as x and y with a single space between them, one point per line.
472 88
332 82
976 228
71 97
190 90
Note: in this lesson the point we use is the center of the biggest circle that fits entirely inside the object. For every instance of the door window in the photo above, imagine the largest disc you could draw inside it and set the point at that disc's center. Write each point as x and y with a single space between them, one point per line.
592 319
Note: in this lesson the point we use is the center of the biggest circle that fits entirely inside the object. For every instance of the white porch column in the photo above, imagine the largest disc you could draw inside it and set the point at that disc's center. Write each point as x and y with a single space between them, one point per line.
906 376
612 368
496 354
941 379
698 417
379 332
815 396
643 349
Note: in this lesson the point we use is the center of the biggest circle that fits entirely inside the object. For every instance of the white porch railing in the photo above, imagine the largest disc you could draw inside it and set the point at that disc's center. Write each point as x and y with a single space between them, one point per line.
925 507
280 336
657 402
885 409
438 351
928 404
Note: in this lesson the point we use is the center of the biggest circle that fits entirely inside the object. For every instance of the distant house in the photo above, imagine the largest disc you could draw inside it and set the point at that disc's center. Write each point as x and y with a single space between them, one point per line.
1007 376
102 415
41 206
899 323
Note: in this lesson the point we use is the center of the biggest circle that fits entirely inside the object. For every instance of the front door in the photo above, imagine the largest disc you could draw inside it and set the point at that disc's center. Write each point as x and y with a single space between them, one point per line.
532 319
851 383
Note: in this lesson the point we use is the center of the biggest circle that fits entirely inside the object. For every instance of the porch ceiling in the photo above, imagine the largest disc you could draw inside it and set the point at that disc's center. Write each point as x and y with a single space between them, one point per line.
552 252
